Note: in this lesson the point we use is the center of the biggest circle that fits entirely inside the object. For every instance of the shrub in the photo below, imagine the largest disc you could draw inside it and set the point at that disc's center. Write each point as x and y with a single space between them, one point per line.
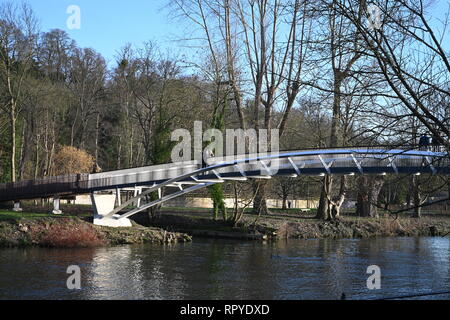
71 236
70 160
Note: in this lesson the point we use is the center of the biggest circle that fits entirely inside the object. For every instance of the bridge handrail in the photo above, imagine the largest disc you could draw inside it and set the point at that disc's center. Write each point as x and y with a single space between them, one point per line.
71 183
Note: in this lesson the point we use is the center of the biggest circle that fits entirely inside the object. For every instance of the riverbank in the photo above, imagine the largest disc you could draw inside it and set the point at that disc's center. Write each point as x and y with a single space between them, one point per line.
294 225
71 232
349 227
179 225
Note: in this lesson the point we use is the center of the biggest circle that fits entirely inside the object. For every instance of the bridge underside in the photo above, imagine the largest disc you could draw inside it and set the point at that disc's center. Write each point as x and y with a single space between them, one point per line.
189 176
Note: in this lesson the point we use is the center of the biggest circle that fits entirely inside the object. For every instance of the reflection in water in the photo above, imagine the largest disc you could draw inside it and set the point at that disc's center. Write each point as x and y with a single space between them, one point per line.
222 269
108 264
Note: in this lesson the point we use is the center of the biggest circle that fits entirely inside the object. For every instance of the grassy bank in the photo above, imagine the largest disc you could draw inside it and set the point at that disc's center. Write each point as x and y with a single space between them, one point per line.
46 230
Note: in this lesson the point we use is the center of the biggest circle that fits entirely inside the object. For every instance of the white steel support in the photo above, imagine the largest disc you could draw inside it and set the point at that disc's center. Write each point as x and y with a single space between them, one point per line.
118 197
325 165
241 171
56 206
197 180
392 164
269 173
260 177
17 207
104 204
235 179
164 199
296 168
137 191
430 163
358 164
223 179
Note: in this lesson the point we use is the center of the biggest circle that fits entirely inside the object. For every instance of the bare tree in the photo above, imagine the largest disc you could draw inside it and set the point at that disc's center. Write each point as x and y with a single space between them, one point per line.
411 56
17 40
342 49
87 83
244 195
265 46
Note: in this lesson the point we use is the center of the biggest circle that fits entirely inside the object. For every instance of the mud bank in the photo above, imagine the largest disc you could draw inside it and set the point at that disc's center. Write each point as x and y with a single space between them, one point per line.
362 228
293 227
74 232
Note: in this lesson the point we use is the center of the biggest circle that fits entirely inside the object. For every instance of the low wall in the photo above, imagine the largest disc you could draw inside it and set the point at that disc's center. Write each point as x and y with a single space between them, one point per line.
229 202
207 202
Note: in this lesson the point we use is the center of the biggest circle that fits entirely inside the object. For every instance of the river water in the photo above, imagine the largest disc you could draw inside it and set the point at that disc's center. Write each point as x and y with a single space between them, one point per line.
224 269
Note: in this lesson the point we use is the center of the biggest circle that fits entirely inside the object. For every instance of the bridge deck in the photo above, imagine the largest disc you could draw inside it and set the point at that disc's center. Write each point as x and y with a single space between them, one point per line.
306 162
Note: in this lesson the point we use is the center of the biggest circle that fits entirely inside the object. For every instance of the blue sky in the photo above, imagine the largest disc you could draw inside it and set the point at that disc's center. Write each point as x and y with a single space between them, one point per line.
107 25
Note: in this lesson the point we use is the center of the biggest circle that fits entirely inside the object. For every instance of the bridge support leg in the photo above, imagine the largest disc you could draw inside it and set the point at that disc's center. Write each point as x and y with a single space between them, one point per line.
17 207
118 198
104 204
138 191
56 206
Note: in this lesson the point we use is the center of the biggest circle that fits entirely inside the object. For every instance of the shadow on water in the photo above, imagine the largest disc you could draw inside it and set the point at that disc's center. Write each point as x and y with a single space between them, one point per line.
225 269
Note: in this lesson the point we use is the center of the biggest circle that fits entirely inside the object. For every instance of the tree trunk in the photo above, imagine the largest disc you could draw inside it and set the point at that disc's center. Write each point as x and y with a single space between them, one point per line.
416 197
97 129
23 150
215 211
259 203
369 189
284 204
36 163
13 140
119 153
323 211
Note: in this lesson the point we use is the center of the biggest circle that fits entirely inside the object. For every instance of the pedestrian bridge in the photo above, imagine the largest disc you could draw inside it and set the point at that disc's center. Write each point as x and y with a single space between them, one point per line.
189 176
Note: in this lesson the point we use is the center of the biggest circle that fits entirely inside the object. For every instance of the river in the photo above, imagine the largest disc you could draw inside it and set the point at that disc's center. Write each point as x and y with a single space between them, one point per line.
224 269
